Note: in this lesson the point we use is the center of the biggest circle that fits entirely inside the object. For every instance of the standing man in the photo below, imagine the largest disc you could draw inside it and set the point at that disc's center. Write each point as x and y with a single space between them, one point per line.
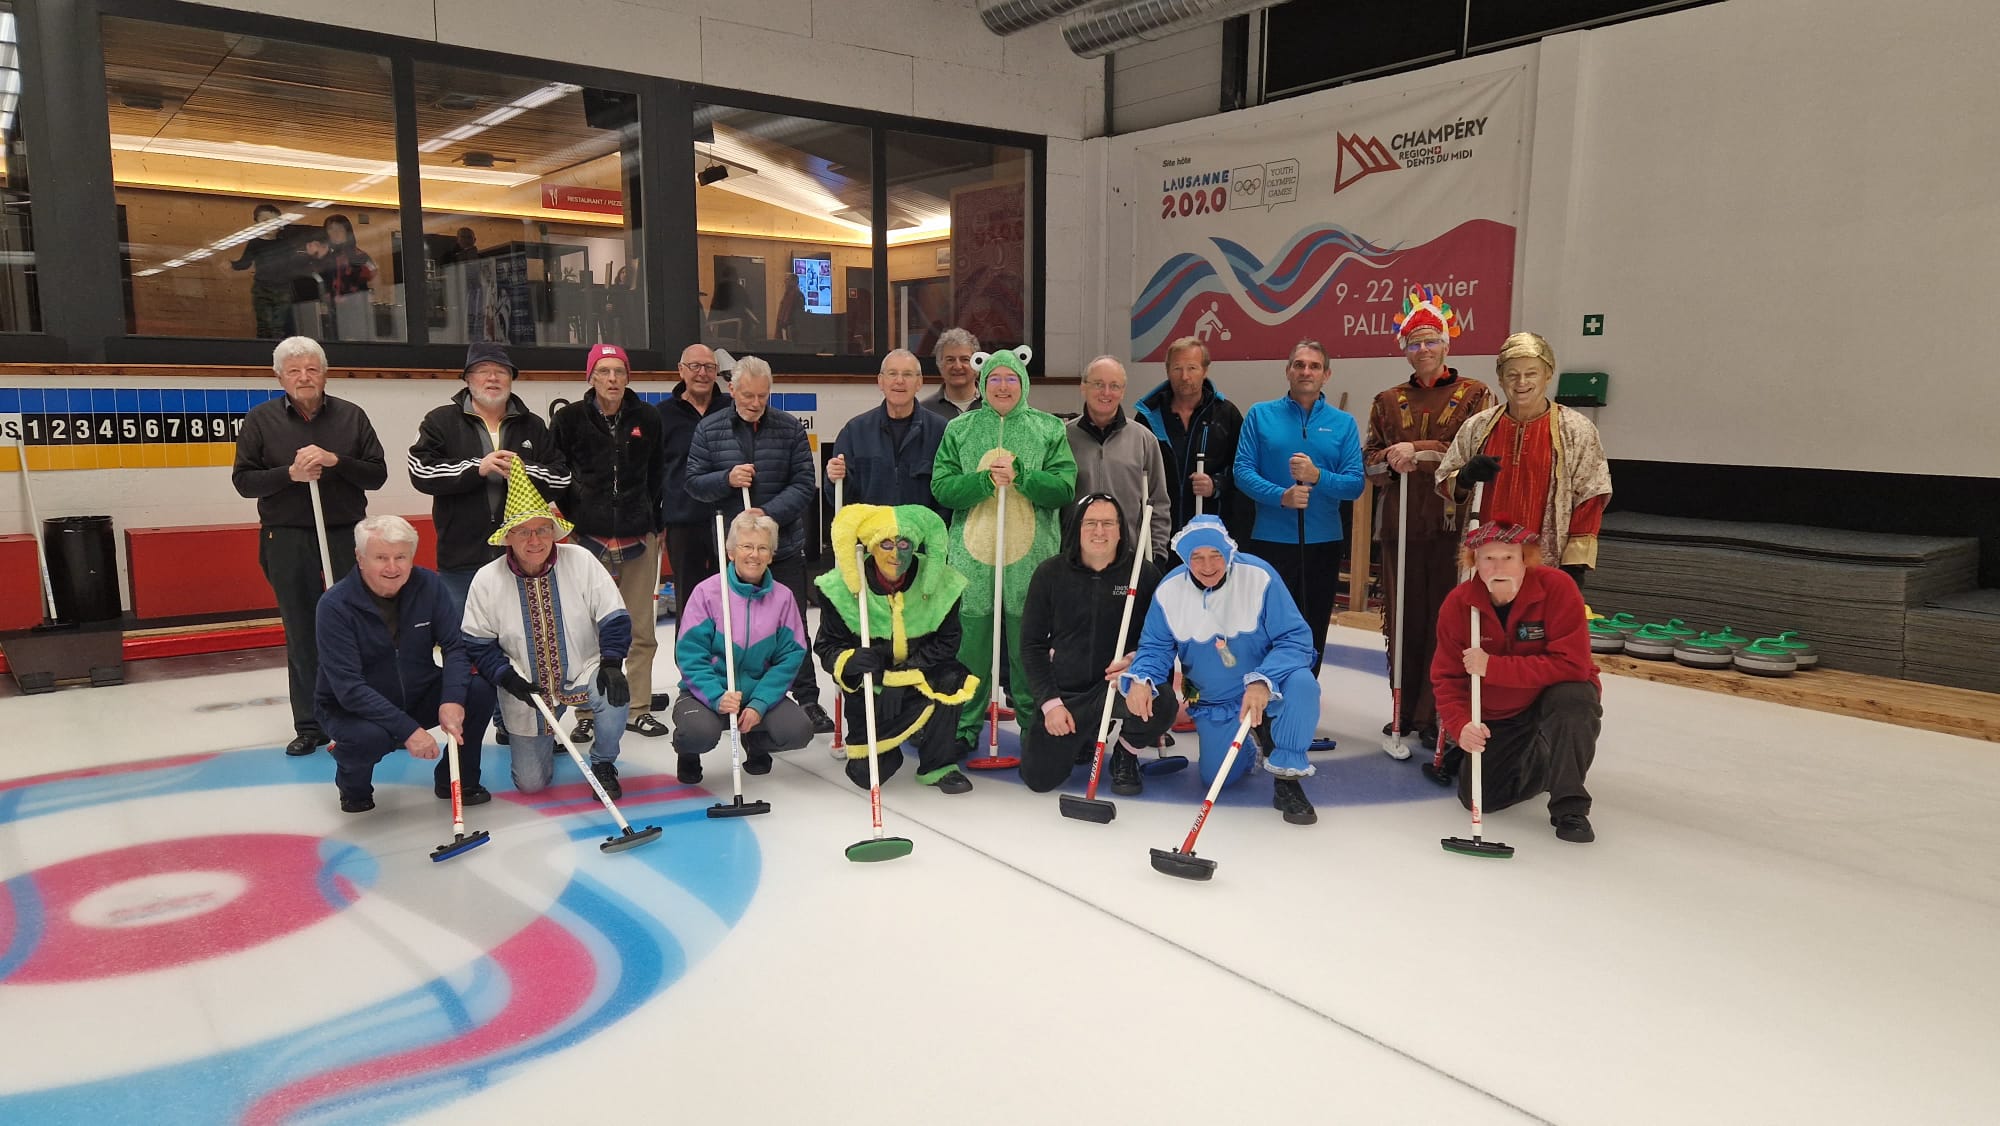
1122 461
1197 429
689 524
886 454
960 392
1540 714
1003 442
755 444
306 436
1069 631
1419 416
1297 460
612 442
379 689
463 454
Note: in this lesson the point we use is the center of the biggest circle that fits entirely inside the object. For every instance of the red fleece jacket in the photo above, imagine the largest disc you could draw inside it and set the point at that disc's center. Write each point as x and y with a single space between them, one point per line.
1545 641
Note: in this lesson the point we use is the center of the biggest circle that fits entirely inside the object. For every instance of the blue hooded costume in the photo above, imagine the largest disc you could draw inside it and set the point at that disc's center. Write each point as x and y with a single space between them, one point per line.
1243 630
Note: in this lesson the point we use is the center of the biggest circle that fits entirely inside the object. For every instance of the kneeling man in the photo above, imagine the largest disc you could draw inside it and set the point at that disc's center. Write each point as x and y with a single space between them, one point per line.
547 618
378 687
1539 696
1245 653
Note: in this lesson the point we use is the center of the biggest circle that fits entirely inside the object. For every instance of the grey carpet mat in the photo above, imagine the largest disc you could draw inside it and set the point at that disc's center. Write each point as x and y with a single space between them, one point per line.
1985 602
1954 645
1848 594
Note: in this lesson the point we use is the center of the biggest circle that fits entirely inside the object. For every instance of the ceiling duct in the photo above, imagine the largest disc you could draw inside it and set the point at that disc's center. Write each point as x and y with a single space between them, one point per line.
1005 17
1099 32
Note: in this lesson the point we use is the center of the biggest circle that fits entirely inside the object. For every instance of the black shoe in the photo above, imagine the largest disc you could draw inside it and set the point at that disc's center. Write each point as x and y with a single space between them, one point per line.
757 762
586 730
1125 773
305 745
663 702
857 771
474 794
1574 828
607 776
647 725
356 805
1290 798
954 783
499 736
822 722
688 769
1166 740
1445 778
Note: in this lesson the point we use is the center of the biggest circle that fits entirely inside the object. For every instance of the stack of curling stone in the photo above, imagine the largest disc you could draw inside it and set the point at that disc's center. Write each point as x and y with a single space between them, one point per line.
1656 642
1606 637
1802 651
1710 650
1766 656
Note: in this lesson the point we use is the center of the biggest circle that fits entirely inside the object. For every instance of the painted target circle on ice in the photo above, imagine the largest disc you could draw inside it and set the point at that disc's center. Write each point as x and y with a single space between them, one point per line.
288 961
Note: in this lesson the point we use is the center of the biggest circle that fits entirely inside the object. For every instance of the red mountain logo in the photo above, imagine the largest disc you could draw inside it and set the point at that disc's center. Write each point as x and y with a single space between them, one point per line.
1367 156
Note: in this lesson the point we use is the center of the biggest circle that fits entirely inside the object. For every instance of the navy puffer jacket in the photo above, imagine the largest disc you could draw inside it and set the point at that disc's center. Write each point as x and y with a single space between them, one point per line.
777 446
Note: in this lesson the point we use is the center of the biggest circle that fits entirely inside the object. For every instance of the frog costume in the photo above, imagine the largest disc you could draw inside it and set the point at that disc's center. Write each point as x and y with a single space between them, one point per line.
1044 481
913 620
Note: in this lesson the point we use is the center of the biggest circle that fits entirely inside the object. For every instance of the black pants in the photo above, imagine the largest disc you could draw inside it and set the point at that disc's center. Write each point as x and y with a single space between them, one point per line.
896 709
359 744
290 558
1047 760
792 574
1547 748
1312 575
1433 572
691 556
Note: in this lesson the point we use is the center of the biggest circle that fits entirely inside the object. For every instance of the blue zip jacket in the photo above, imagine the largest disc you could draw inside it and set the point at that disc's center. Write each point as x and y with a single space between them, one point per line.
1272 433
881 472
362 674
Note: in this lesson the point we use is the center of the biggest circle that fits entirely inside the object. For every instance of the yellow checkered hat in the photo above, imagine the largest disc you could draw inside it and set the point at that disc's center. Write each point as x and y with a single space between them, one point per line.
525 503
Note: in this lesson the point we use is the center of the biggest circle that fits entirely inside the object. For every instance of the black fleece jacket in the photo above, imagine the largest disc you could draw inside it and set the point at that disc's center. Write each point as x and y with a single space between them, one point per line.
616 466
1069 626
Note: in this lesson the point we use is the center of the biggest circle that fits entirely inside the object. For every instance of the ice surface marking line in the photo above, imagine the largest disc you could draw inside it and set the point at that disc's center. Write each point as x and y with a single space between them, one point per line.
1202 958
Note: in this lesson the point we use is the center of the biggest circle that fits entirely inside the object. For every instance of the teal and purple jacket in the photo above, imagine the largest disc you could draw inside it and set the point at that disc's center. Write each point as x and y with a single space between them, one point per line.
766 627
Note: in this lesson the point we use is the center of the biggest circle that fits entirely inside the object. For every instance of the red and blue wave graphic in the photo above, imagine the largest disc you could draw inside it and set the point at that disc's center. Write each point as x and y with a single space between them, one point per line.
1324 282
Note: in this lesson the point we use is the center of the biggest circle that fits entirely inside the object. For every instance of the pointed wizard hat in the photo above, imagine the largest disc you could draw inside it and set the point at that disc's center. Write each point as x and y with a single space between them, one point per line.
525 503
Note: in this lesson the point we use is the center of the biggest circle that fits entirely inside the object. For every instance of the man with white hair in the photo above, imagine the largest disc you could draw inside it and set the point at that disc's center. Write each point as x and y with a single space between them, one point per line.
308 435
885 455
1120 460
378 688
755 445
960 392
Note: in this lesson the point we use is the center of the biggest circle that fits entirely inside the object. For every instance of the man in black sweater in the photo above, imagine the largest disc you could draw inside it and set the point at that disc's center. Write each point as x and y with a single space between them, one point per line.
306 436
1069 634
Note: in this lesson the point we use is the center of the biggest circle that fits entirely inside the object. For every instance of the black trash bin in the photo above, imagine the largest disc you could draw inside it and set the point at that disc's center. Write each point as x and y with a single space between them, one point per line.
83 567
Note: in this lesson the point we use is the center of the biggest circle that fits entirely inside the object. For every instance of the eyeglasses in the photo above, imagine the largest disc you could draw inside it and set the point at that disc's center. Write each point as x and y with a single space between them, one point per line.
1415 346
1003 380
710 368
528 533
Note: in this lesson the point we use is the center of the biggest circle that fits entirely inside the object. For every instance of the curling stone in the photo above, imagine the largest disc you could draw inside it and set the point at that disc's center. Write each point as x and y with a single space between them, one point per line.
1727 635
1765 657
1654 643
1675 628
1705 652
1605 637
1802 651
1624 623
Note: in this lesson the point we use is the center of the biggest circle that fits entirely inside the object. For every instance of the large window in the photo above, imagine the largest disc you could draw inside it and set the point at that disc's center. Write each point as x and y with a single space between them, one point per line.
531 217
959 251
785 233
18 308
256 185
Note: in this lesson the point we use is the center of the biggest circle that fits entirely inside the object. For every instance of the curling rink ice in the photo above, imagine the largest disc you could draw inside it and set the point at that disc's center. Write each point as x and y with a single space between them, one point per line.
1788 917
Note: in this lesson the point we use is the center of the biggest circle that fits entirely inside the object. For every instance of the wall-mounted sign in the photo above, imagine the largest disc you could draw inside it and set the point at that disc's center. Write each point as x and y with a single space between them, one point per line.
570 197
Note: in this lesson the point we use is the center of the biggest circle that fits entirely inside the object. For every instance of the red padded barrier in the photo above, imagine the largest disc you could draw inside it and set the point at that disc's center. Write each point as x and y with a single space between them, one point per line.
20 583
210 569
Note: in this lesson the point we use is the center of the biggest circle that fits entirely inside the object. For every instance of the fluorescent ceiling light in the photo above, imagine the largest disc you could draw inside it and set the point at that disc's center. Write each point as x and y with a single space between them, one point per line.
242 152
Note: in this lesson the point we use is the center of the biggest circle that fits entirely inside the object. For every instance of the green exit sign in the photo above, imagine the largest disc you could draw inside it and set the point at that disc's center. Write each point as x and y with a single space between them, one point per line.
1593 324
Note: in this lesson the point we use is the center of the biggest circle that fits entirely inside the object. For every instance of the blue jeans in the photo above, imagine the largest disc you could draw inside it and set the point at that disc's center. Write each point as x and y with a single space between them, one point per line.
534 755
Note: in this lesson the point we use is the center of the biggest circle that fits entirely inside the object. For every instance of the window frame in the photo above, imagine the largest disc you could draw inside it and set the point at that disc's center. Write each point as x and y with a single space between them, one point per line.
64 95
